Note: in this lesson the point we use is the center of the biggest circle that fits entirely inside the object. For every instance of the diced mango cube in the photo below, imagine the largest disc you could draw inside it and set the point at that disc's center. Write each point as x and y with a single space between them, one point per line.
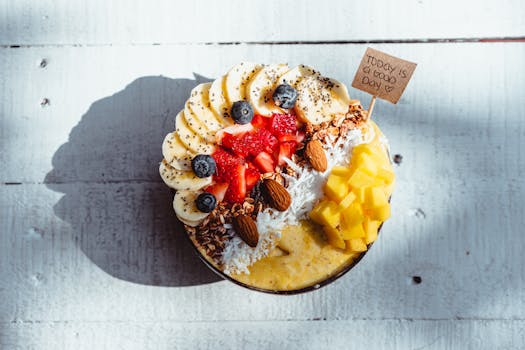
363 148
373 149
356 231
361 179
386 175
356 245
359 194
353 215
366 163
349 199
334 237
329 215
375 197
371 228
336 187
379 213
341 171
315 212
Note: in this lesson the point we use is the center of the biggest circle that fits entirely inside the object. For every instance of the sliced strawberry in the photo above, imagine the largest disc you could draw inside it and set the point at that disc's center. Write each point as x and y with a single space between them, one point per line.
225 161
218 190
227 140
260 122
288 138
286 149
266 141
300 136
264 162
252 175
237 189
282 124
236 130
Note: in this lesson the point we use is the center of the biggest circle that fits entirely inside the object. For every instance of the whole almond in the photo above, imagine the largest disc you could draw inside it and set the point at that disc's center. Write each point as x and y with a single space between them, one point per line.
276 195
246 228
314 153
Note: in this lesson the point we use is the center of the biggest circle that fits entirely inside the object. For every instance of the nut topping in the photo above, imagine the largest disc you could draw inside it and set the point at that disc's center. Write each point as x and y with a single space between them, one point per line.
276 195
246 228
315 154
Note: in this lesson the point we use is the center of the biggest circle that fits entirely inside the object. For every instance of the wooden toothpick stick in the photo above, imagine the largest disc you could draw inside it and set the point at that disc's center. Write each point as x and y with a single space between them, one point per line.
371 107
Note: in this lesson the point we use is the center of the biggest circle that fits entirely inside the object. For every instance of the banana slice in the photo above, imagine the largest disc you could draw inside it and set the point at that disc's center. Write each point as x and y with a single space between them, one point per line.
260 89
190 223
181 180
218 102
320 99
185 208
199 103
197 125
294 75
189 138
237 79
175 153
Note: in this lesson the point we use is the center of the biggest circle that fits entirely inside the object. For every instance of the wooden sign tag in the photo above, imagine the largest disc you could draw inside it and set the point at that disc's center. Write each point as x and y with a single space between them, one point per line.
383 75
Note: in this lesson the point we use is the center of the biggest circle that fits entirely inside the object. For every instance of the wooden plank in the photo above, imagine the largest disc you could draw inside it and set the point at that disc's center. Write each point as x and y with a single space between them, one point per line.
356 334
25 22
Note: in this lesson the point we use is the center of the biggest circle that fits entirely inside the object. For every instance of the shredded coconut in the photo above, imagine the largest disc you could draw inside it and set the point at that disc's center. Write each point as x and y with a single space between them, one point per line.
305 189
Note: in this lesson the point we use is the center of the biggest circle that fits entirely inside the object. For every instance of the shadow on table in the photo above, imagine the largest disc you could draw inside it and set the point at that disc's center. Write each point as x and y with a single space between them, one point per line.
119 209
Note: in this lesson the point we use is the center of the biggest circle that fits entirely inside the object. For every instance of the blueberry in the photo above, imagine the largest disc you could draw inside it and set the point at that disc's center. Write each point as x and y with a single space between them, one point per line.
284 96
203 165
206 202
242 112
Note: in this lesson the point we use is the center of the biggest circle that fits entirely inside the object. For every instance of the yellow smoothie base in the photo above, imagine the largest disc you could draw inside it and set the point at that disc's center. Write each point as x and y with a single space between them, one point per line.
302 258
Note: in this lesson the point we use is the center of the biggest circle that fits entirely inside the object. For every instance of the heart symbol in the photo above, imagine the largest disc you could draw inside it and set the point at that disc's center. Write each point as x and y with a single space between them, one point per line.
389 88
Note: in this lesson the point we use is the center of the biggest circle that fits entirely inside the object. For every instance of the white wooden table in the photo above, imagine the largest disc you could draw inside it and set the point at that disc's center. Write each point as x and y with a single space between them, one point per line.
91 257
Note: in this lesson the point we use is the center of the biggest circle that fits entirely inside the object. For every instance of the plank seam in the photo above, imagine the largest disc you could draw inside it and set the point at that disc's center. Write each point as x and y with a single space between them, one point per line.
386 319
285 42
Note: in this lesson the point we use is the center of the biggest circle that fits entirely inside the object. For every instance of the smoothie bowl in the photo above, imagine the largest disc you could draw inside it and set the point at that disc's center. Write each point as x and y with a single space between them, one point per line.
282 181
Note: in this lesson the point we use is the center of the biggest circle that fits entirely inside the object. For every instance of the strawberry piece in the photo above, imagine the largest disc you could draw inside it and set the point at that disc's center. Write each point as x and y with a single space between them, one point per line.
225 162
287 138
282 124
260 122
237 189
264 162
267 141
300 136
235 130
286 149
252 143
218 190
227 140
252 175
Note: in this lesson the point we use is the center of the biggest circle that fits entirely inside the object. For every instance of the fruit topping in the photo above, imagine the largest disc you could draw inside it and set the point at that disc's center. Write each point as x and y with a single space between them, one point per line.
283 124
356 201
246 228
203 165
242 112
286 149
258 147
225 163
206 202
315 154
237 188
218 190
264 162
276 195
260 122
252 176
284 96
